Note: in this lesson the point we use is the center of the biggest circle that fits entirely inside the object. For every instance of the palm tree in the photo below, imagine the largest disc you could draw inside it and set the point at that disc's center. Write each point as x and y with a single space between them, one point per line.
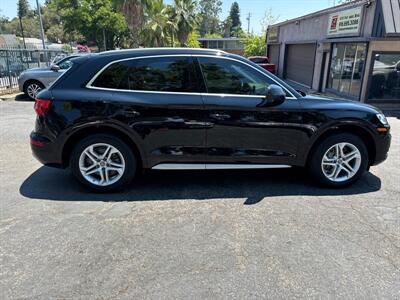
158 25
22 8
185 18
133 11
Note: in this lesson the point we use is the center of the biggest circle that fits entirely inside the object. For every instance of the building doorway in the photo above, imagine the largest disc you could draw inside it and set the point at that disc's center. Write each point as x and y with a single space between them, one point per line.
347 68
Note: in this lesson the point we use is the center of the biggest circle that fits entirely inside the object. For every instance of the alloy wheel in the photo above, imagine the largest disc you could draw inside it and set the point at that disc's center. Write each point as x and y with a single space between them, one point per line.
101 164
33 89
341 162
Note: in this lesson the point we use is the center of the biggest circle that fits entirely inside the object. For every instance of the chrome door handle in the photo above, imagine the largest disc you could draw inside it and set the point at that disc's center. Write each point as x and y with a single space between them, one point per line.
220 116
131 113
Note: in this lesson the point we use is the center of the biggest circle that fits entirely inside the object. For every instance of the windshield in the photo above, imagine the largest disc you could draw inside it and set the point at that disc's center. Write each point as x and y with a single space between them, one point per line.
65 63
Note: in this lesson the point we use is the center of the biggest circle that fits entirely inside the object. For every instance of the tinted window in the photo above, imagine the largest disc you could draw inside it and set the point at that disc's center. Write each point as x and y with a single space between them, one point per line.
385 80
112 76
164 74
225 76
65 63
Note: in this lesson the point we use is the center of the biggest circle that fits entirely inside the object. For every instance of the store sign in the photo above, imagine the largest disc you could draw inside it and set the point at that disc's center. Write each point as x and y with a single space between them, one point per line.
347 22
273 34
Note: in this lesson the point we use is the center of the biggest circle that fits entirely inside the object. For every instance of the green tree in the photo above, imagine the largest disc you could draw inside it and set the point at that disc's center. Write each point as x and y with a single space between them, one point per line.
170 11
193 40
268 19
67 48
209 11
185 19
254 46
226 27
4 24
134 12
31 27
158 25
96 20
22 11
55 34
234 16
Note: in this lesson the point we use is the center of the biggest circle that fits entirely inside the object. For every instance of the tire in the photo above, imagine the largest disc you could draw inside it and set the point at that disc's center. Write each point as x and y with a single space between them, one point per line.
331 170
31 86
103 175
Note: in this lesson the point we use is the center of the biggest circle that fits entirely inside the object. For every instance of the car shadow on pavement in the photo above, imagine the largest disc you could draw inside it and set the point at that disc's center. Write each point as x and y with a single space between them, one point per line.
23 98
252 185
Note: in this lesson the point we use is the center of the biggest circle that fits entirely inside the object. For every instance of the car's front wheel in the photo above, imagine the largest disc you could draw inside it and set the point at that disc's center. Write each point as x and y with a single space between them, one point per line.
339 160
103 163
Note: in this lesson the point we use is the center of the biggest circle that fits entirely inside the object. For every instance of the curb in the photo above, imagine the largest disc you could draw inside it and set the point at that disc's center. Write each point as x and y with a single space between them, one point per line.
9 97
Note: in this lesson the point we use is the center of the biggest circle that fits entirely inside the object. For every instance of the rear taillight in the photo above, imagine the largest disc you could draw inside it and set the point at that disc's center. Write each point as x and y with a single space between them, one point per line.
42 107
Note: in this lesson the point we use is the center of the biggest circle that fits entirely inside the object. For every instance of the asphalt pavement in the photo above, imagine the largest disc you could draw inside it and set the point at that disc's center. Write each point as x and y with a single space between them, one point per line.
194 235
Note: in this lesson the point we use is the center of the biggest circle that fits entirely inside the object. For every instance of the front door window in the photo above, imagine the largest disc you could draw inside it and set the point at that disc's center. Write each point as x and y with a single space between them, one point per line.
347 65
225 76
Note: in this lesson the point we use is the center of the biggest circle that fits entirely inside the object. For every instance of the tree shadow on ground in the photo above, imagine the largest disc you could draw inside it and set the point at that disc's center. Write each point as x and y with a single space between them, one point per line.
251 185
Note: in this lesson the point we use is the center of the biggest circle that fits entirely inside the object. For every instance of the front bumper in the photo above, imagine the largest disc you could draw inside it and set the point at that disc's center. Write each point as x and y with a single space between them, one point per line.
21 81
382 149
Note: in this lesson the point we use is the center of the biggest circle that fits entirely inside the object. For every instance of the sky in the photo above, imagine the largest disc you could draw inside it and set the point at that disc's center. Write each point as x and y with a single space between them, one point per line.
285 9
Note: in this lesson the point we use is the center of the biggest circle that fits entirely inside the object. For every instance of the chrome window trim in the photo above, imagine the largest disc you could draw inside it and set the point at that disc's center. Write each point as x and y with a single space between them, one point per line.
89 84
212 166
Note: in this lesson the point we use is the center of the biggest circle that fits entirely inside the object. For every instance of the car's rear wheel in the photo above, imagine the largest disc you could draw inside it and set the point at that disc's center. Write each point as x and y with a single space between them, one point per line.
103 163
32 88
339 160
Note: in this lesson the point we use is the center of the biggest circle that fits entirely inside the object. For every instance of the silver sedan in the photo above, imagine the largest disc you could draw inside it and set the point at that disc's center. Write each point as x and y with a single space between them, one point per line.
31 81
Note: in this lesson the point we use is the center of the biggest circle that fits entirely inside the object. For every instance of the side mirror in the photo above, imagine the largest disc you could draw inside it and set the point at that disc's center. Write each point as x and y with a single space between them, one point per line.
55 68
275 95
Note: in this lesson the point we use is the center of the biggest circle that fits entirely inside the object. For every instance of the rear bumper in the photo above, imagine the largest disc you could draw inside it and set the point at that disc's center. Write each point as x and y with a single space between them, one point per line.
45 151
382 149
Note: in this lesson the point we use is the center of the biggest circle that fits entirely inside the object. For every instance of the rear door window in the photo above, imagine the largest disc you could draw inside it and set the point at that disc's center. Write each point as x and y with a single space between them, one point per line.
161 74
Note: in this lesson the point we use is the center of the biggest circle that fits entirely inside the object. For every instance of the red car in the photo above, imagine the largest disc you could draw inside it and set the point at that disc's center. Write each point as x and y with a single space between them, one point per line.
263 62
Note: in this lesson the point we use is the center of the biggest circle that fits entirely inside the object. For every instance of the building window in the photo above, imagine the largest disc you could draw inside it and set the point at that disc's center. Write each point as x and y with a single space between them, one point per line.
385 80
216 44
347 66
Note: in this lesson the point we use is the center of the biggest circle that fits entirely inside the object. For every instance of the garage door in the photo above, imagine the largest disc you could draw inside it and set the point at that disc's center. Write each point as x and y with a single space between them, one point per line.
299 64
273 55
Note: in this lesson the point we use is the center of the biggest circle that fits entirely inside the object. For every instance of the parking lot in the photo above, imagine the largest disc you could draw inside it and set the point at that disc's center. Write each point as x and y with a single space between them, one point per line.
194 235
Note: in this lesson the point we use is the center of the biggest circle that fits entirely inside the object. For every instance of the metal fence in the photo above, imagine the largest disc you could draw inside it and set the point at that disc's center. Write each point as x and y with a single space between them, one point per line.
14 61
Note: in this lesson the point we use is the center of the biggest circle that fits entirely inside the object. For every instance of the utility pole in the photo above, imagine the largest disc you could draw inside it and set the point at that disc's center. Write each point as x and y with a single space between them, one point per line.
248 23
41 30
104 40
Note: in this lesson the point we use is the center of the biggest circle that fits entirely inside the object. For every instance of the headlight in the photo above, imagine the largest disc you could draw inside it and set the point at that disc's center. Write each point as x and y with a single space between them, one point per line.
382 119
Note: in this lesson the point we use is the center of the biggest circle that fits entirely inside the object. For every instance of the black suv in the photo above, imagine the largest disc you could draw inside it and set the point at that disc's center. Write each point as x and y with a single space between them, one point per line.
194 109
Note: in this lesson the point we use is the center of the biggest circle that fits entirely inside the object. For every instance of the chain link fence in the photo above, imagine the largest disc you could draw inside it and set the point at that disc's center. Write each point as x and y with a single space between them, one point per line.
14 61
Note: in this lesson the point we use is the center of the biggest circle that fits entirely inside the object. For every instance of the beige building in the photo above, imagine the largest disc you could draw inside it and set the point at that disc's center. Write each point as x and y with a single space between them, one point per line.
352 50
231 45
